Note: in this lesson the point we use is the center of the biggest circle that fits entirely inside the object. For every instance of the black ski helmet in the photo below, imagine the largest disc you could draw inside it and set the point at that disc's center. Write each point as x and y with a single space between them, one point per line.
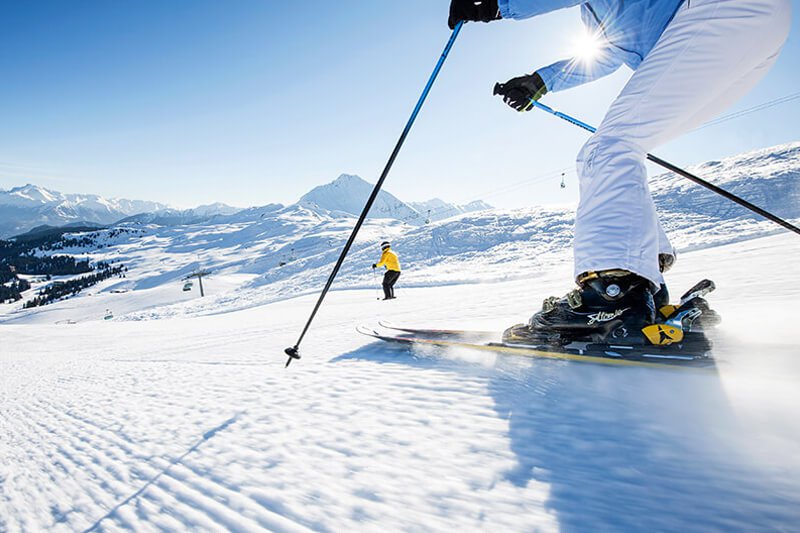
385 245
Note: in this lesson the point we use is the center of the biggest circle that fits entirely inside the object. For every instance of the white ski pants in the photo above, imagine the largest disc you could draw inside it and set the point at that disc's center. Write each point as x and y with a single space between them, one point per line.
710 55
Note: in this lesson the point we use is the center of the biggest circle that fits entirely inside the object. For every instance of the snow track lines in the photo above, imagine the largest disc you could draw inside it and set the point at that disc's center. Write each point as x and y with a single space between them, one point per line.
91 445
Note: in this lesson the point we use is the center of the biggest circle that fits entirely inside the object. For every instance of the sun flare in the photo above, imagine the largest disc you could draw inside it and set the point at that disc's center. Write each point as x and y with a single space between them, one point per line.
587 46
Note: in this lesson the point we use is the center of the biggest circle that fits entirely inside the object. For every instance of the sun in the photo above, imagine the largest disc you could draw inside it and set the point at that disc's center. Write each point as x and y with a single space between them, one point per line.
587 46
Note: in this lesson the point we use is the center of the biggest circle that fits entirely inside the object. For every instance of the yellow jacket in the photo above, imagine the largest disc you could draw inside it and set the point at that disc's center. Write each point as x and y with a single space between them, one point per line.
389 260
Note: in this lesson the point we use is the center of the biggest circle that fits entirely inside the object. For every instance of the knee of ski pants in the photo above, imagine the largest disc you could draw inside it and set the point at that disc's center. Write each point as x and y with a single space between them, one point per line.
611 156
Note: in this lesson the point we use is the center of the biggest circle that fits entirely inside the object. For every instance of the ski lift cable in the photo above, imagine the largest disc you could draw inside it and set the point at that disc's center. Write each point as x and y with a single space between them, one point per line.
517 185
750 110
494 192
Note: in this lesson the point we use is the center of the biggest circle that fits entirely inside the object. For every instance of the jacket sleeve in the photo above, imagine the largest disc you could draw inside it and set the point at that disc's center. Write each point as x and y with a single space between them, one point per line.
574 72
522 9
382 260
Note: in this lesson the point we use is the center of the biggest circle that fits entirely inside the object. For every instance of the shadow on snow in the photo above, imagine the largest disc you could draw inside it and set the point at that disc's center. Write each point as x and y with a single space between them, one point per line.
620 448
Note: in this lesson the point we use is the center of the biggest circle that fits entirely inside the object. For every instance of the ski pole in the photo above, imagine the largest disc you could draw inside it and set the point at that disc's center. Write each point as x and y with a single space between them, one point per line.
375 279
293 351
669 166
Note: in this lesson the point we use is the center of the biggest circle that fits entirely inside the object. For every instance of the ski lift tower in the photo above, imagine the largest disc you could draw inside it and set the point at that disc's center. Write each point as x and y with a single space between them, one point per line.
199 275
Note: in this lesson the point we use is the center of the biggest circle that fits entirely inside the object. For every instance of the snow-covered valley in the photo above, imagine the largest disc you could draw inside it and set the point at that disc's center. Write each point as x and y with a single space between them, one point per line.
265 254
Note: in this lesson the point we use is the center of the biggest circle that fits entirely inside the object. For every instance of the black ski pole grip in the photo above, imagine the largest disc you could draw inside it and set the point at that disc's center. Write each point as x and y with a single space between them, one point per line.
497 88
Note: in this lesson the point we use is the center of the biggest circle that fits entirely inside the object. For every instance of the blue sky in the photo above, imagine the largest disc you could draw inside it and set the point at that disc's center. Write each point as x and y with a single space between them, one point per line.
251 102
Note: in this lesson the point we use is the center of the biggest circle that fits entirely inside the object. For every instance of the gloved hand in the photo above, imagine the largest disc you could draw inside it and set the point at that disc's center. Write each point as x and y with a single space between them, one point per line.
518 92
482 10
665 261
374 266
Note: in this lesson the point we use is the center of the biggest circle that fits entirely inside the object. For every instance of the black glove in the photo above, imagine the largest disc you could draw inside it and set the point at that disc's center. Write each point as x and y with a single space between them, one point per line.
665 261
518 92
374 266
482 10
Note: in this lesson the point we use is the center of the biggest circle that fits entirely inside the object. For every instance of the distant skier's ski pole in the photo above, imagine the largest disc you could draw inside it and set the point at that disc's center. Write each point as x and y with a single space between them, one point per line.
677 170
377 289
293 351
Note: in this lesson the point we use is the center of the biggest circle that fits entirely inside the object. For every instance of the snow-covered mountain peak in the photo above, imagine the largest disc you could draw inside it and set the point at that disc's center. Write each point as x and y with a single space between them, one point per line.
345 180
28 195
348 194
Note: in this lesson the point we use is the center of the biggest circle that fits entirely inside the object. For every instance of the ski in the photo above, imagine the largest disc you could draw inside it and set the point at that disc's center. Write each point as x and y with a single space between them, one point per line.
620 355
439 332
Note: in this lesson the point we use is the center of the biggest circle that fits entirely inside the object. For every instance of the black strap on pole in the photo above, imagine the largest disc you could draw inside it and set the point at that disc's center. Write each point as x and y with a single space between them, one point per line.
293 351
669 166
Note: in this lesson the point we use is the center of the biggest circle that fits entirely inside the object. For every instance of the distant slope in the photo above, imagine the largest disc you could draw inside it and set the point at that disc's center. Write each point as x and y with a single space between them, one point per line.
764 177
172 217
437 209
768 178
53 231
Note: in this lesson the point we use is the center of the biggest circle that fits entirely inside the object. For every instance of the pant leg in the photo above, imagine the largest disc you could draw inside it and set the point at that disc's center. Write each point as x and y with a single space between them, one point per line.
387 284
708 56
395 276
734 93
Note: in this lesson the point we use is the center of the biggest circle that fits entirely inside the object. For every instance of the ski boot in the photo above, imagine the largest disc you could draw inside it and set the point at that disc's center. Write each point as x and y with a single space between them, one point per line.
608 306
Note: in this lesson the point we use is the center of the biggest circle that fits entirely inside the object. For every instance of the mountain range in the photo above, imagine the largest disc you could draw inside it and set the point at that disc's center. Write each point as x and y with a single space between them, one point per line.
347 195
31 206
23 208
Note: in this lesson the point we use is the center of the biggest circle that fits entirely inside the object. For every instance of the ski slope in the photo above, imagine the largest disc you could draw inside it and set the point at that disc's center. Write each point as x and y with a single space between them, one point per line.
193 423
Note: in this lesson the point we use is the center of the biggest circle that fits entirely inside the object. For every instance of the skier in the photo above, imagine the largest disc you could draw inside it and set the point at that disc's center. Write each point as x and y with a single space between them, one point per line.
691 59
392 264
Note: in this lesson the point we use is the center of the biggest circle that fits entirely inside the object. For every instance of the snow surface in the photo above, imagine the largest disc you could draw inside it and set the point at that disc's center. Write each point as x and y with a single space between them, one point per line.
193 423
178 414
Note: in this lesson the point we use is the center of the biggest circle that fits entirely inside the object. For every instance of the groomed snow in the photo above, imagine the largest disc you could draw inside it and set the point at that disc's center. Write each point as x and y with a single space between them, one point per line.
193 423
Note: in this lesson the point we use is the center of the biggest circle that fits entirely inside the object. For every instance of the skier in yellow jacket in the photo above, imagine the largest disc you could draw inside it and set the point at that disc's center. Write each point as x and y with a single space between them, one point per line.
392 264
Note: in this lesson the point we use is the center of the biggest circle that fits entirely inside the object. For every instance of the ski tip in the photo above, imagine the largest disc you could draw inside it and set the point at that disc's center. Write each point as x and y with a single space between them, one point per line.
368 331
